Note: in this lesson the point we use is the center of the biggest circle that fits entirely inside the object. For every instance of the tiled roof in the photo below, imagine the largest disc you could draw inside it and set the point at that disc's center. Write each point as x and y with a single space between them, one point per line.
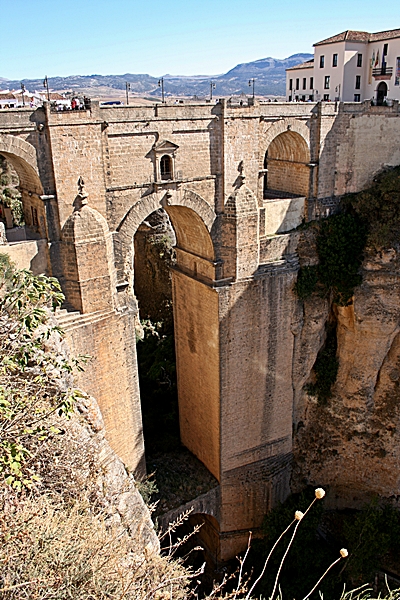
360 36
384 35
309 64
346 36
55 96
6 95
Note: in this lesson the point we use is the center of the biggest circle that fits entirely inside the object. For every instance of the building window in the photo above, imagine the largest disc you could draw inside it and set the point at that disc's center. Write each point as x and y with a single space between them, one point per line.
358 82
357 98
322 61
326 97
290 84
304 83
290 98
297 84
334 60
303 98
327 82
359 60
311 98
385 49
166 167
311 83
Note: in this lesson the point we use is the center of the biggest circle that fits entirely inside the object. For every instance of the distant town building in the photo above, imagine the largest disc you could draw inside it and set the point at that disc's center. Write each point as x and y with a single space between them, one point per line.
352 66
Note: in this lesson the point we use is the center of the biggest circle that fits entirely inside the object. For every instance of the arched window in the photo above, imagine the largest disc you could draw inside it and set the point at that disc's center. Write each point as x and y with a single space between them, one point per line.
166 167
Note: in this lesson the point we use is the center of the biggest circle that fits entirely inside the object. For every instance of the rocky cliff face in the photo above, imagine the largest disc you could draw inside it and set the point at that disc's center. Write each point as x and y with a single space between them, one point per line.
83 461
116 488
352 443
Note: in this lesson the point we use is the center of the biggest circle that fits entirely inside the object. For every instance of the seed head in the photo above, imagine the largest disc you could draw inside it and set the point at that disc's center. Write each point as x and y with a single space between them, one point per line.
298 515
344 553
319 493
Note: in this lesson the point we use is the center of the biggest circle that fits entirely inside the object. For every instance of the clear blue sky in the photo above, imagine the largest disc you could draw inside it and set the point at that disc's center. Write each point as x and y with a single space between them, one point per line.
181 37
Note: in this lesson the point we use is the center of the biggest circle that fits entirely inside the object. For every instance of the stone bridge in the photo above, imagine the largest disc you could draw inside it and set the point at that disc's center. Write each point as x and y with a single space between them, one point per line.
235 181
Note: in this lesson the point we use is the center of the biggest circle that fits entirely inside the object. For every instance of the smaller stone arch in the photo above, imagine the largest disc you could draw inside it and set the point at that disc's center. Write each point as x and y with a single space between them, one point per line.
287 124
22 157
286 162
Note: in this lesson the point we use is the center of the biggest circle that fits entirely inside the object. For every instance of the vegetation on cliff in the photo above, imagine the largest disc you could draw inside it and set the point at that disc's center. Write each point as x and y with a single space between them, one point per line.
378 207
370 218
340 245
59 537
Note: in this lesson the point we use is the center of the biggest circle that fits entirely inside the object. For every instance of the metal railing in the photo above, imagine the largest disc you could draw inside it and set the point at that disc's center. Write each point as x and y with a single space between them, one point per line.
382 71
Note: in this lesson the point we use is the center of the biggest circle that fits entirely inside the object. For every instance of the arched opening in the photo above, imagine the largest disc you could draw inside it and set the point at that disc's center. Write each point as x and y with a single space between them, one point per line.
265 180
287 161
23 211
381 93
178 360
166 167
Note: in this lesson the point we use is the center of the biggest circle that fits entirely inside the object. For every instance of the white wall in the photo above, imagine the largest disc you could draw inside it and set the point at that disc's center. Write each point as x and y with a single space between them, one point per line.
371 83
300 74
343 77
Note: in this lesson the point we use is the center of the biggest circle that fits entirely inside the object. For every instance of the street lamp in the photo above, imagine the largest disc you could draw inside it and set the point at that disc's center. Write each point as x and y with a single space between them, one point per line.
212 87
127 87
251 83
23 92
46 85
161 85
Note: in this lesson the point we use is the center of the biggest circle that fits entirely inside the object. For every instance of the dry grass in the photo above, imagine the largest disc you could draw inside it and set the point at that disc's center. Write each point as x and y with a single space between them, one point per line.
50 550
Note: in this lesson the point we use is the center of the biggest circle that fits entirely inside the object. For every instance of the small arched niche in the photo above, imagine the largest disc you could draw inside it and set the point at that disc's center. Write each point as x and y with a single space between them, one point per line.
166 167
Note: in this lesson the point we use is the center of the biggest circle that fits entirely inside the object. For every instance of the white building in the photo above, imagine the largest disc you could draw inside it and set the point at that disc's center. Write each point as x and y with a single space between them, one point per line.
349 67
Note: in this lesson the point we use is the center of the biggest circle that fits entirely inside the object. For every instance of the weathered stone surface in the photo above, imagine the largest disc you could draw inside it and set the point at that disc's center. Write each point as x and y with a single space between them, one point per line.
352 444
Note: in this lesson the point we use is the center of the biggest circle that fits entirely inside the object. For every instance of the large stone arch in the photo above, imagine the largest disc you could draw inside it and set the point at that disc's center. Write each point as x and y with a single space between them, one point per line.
191 216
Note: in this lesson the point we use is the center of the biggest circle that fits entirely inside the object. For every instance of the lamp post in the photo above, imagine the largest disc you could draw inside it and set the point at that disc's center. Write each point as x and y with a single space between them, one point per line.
23 92
46 85
161 85
251 83
127 87
212 87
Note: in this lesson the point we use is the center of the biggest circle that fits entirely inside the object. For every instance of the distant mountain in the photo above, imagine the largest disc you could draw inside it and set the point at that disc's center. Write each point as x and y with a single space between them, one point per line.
269 74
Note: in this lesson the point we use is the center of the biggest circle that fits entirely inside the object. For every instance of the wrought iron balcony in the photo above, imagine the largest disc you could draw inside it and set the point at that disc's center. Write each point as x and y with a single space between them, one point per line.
382 72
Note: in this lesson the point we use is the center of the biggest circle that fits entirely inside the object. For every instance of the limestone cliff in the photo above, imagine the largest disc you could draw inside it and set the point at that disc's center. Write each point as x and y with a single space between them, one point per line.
352 443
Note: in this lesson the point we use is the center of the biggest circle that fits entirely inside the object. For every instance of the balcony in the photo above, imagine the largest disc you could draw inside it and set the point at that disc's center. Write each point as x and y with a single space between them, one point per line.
382 73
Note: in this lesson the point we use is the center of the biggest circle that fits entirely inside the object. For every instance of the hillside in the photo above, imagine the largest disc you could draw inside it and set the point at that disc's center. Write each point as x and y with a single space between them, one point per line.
268 72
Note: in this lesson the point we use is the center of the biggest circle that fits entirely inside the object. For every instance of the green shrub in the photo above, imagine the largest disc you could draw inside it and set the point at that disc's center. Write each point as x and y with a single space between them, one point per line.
307 280
379 208
33 388
340 245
